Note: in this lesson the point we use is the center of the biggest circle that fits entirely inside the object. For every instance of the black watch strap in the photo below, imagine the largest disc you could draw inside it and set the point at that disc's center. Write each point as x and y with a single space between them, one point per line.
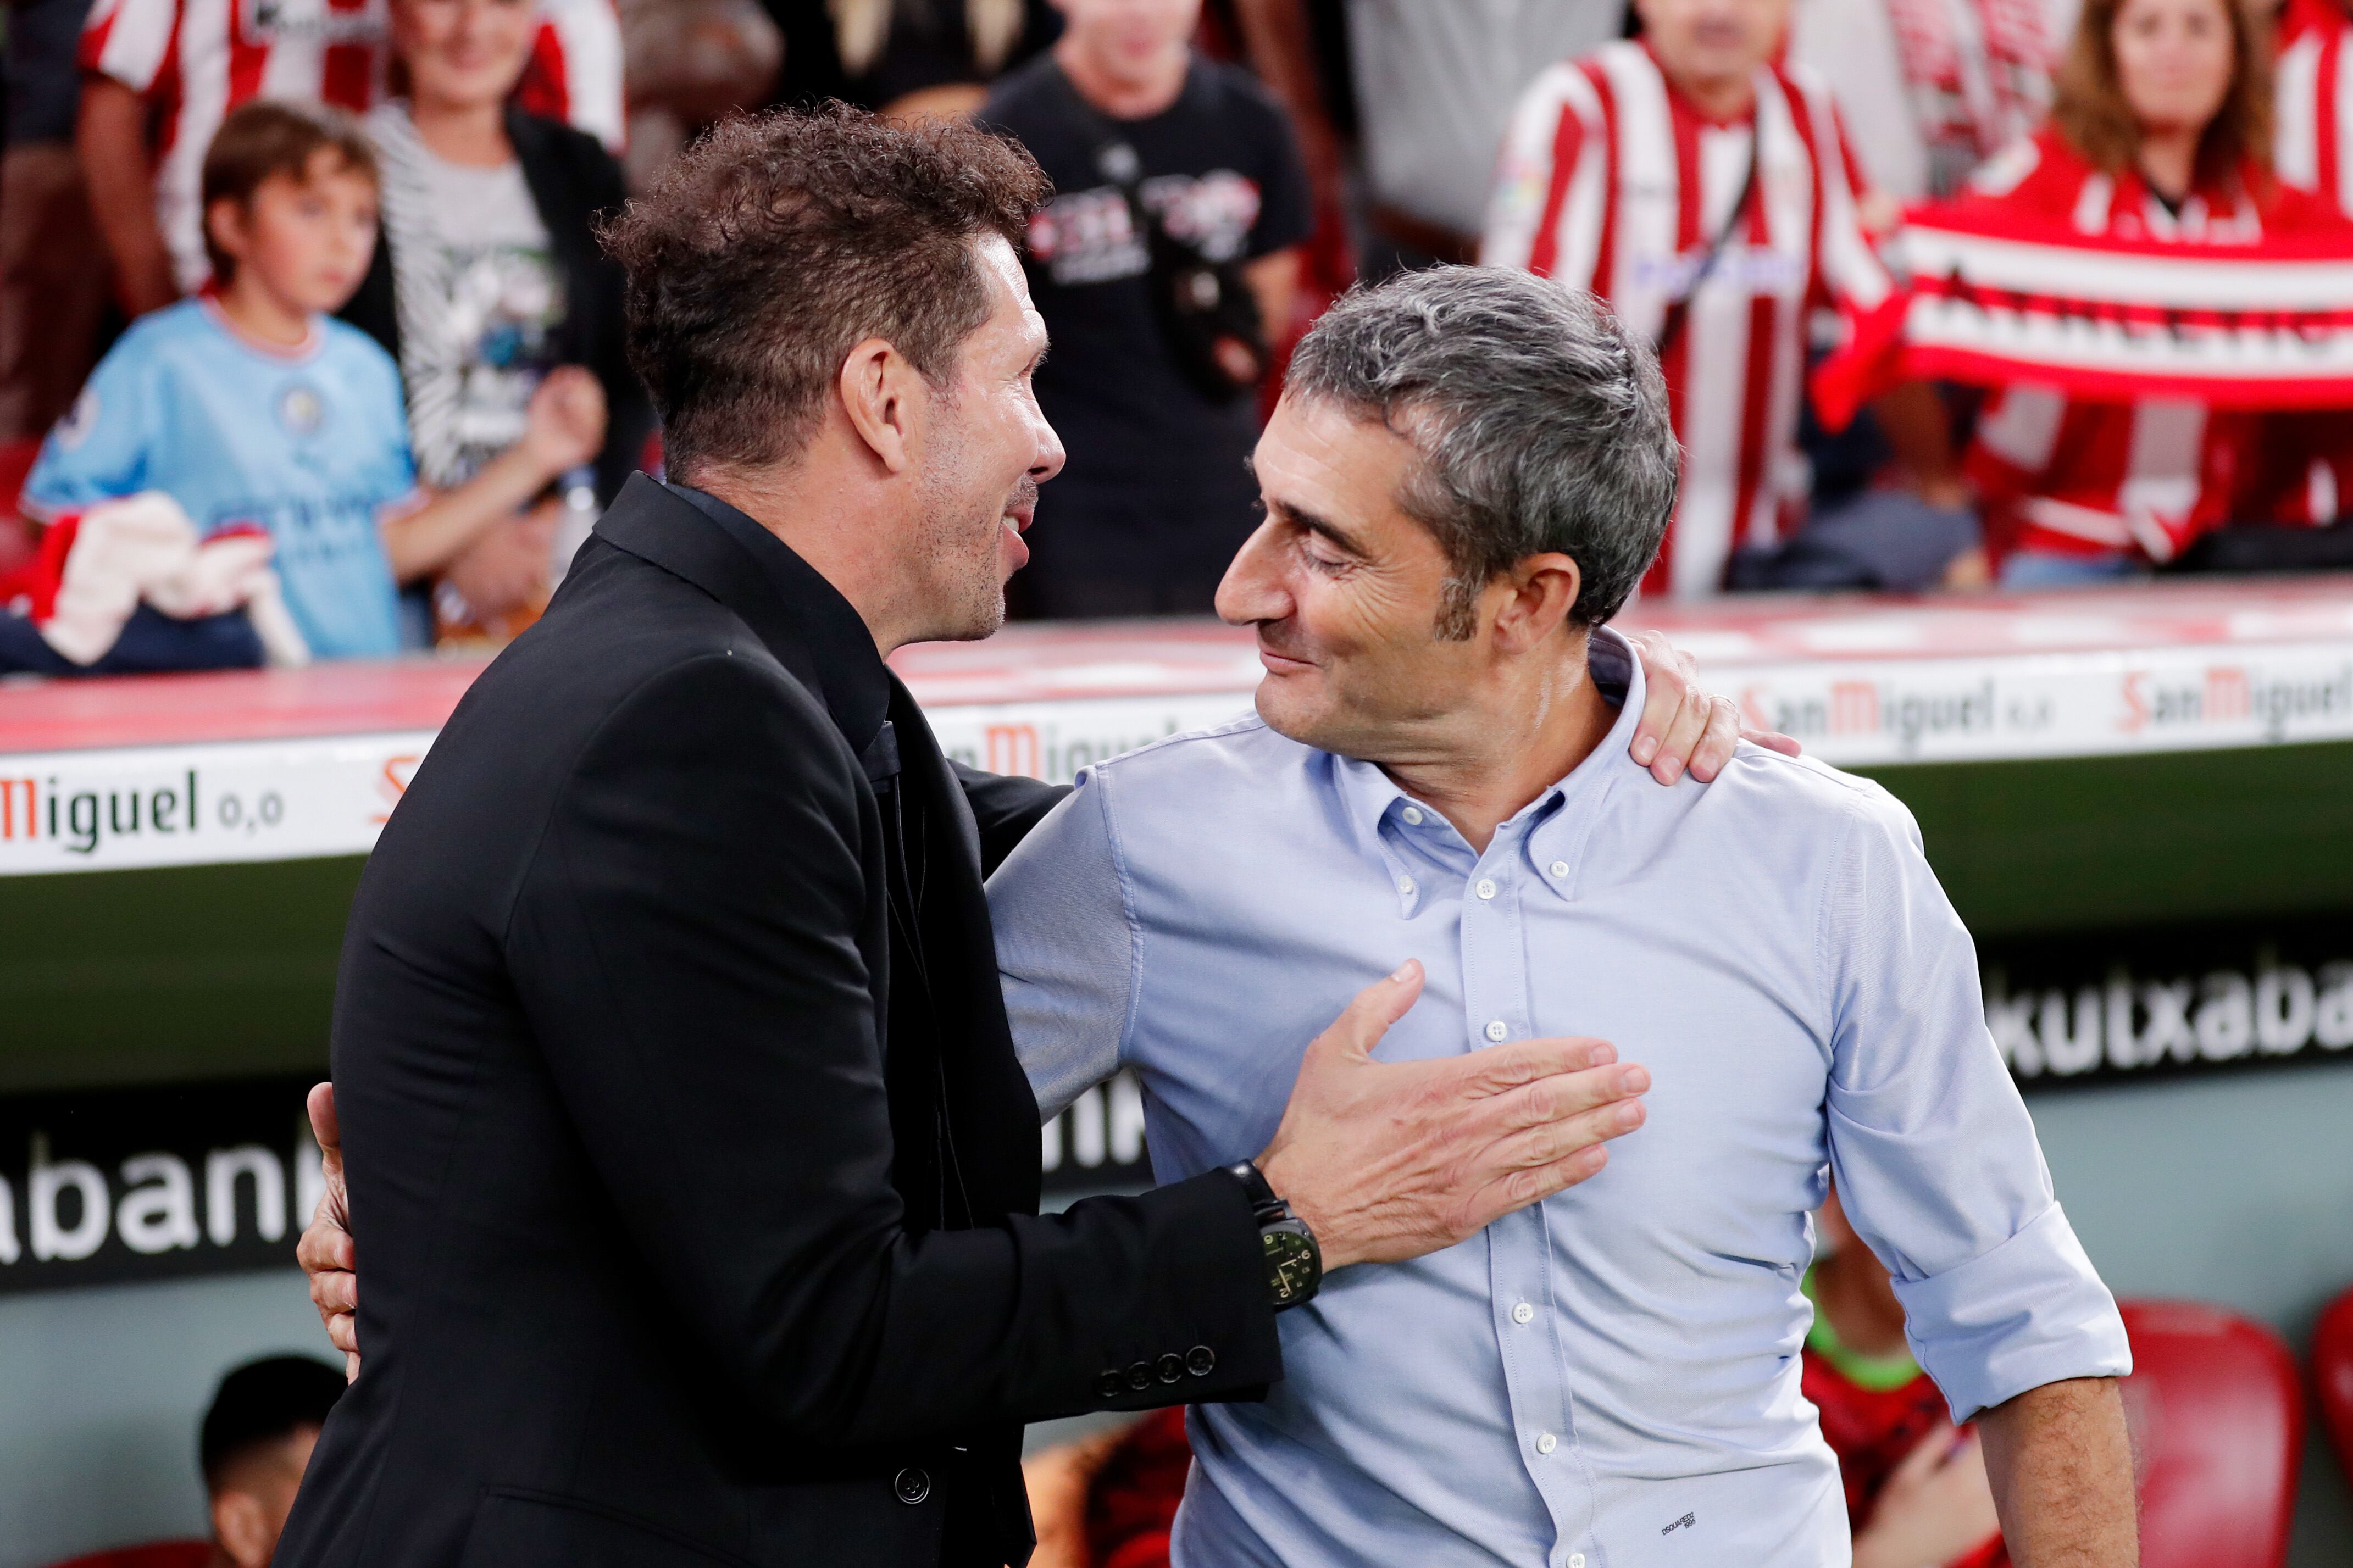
1263 1201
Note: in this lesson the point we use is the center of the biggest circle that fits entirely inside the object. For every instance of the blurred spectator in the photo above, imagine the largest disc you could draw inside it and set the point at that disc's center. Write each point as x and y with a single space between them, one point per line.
1170 244
1929 89
2314 129
692 62
255 1444
1916 1489
1431 88
251 410
487 276
51 297
2159 132
906 57
187 65
1701 190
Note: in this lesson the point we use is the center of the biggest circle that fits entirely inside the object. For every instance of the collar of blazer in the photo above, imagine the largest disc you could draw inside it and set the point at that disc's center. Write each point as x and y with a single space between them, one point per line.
800 617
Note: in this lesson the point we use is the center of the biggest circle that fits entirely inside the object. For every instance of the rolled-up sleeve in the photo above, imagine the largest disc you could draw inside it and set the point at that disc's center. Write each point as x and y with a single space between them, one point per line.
1935 1155
1066 947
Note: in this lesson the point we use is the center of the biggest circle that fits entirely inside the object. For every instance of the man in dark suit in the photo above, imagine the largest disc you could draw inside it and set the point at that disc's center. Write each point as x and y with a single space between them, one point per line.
696 1173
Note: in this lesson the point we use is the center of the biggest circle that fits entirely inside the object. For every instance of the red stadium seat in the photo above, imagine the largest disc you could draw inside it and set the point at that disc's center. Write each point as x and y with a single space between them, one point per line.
2217 1416
2332 1373
162 1554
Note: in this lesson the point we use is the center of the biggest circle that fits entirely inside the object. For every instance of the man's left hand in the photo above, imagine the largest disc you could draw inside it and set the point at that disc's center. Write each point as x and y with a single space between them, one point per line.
1684 726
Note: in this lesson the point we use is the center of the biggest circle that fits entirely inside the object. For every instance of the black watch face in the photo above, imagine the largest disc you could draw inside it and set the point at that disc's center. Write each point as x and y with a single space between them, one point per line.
1293 1268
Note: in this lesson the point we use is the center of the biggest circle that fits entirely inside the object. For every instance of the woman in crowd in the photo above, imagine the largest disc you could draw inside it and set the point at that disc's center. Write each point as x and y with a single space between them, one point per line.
2160 130
488 287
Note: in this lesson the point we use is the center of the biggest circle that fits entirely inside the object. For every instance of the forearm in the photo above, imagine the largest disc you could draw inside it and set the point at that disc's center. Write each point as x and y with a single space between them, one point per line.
422 541
1273 280
1912 418
111 142
2061 1465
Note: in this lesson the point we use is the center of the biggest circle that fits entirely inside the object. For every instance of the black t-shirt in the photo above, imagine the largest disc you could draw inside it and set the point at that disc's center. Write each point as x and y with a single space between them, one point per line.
1223 168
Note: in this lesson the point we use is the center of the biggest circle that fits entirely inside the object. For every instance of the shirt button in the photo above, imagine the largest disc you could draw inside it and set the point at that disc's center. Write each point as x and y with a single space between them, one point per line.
1546 1442
1486 889
1405 886
1497 1030
1558 867
1522 1313
1413 815
1577 1560
911 1485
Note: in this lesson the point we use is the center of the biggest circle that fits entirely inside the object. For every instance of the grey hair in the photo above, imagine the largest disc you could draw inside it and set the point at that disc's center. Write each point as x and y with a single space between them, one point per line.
1541 424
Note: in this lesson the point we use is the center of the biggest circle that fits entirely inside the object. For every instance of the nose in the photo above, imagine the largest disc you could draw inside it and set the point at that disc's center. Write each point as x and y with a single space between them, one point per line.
1251 590
1049 460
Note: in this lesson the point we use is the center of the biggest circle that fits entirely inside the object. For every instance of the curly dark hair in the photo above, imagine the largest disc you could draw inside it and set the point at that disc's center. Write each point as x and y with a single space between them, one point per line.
778 243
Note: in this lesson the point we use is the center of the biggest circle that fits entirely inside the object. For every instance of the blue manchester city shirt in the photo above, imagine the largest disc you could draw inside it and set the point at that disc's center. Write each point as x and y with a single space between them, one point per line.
311 444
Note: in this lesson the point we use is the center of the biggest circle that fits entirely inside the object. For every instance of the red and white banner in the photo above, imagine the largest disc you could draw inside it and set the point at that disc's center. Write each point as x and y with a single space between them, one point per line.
2259 324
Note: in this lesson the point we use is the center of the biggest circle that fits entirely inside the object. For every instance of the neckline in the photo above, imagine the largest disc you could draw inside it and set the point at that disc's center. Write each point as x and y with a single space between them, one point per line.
282 354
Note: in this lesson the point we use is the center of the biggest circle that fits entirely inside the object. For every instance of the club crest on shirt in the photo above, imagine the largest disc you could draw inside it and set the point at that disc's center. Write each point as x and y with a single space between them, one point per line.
79 421
301 409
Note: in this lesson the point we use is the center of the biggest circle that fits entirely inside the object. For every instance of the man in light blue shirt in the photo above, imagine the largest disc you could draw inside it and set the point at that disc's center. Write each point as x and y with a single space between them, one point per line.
1466 476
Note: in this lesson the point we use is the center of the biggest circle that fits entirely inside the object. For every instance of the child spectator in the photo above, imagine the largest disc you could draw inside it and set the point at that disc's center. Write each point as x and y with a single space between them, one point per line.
255 1444
181 67
249 408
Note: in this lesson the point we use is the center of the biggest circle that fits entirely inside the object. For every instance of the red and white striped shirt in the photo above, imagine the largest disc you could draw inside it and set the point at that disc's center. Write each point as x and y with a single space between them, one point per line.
1612 180
2060 474
2312 138
197 59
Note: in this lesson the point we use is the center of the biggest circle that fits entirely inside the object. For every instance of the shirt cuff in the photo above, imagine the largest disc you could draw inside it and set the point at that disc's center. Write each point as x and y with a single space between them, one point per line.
2031 1312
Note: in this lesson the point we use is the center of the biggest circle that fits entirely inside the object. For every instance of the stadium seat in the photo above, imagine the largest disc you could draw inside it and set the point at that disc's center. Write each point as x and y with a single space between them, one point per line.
2332 1374
161 1554
2217 1416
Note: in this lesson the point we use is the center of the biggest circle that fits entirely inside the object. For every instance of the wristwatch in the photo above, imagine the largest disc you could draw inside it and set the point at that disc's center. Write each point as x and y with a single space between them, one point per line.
1294 1264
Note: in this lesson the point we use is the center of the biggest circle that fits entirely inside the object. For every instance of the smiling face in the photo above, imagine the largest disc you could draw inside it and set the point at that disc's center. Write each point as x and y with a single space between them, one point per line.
2174 60
1345 589
462 54
987 448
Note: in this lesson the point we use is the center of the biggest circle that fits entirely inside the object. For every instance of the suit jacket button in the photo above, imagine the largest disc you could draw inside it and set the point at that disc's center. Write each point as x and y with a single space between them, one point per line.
1112 1384
1200 1360
1171 1367
1139 1376
911 1485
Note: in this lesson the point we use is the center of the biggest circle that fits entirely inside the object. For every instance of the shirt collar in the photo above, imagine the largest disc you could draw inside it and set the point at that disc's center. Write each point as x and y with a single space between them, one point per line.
851 676
1553 827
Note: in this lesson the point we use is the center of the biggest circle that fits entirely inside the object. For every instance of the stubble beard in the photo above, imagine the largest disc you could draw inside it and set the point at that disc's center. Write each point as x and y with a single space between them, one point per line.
960 552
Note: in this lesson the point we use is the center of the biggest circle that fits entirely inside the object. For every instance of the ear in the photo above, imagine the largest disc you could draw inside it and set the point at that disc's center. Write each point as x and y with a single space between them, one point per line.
241 1526
1539 593
887 401
225 221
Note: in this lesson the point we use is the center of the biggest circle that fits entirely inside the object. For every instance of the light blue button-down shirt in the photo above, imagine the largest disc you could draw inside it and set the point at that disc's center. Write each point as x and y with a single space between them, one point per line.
1609 1379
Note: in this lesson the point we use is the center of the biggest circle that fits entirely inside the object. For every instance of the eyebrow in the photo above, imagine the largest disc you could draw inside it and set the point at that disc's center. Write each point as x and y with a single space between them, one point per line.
1323 527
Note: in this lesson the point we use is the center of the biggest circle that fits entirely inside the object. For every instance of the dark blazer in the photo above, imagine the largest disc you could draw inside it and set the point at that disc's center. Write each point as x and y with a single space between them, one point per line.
696 1204
574 182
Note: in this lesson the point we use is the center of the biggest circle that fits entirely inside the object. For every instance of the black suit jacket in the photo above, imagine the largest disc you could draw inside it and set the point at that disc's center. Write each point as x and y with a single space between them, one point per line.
574 182
695 1225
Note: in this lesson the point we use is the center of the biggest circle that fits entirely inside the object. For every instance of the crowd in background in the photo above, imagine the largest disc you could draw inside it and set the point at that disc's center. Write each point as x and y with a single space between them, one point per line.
233 435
